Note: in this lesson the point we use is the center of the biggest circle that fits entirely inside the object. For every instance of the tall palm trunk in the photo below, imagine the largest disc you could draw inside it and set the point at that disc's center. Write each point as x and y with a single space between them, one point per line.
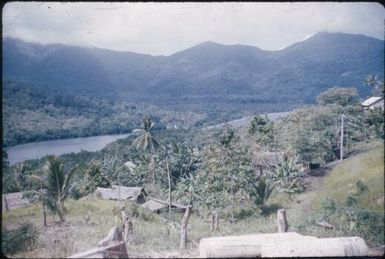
60 211
152 166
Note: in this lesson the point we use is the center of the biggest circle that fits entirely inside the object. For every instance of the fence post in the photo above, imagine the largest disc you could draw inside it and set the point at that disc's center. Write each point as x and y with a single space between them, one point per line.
282 221
44 216
216 217
183 228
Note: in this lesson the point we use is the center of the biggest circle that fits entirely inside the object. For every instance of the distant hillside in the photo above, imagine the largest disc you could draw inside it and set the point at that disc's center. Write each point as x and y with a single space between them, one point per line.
297 73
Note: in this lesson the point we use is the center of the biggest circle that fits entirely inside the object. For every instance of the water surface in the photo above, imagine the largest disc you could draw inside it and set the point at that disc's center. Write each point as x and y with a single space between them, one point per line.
40 149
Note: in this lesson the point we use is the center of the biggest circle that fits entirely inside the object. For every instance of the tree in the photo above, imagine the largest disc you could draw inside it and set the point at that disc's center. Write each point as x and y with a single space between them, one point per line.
10 182
227 137
57 186
311 133
225 175
262 129
376 85
338 95
147 142
96 179
374 123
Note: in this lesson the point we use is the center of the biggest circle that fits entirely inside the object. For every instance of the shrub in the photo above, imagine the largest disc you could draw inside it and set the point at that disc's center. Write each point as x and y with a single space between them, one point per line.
351 220
21 239
361 187
135 211
350 201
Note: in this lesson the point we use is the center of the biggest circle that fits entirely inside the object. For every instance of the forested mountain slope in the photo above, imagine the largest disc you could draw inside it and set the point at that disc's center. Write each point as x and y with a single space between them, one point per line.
297 73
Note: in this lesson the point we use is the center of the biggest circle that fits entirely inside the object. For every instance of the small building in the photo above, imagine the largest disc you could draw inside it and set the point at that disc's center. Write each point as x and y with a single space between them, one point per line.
14 200
155 207
116 192
158 206
267 159
373 103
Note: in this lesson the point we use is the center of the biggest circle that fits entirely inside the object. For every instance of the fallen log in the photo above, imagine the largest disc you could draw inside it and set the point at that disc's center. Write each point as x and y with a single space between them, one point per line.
243 246
114 248
324 224
342 246
113 235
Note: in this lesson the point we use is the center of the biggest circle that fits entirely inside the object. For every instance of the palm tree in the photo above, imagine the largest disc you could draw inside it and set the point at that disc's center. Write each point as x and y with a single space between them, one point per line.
147 142
57 185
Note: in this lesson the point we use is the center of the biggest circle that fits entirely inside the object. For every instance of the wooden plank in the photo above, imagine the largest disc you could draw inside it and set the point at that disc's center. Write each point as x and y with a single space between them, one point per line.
96 251
322 247
242 246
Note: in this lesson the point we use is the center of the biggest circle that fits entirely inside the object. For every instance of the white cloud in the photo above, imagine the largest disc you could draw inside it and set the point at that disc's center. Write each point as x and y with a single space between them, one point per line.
164 28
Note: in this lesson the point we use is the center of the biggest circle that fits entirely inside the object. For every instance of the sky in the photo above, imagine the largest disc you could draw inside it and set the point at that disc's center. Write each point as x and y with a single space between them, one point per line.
166 28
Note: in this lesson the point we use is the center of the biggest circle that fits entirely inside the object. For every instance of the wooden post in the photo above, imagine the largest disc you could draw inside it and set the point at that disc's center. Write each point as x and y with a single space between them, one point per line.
183 229
212 221
44 216
5 202
216 217
342 138
169 187
281 220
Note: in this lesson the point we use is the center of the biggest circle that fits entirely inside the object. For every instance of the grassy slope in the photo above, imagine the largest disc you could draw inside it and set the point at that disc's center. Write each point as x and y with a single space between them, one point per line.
151 230
367 167
365 164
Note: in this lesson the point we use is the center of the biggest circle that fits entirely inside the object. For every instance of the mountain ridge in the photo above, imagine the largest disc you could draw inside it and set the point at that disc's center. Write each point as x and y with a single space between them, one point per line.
299 72
203 42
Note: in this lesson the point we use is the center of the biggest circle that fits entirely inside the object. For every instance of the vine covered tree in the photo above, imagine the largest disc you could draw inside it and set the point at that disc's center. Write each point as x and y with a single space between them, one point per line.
343 96
376 85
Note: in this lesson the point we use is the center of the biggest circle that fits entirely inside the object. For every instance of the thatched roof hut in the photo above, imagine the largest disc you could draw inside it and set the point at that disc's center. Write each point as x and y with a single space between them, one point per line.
155 206
159 206
268 158
117 192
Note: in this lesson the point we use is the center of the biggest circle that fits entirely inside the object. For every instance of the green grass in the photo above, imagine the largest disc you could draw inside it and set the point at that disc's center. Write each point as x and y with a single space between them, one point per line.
367 167
74 235
155 238
365 218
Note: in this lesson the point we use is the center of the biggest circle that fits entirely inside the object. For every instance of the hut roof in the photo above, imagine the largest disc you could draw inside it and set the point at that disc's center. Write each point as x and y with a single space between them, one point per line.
268 158
130 193
158 205
154 206
371 100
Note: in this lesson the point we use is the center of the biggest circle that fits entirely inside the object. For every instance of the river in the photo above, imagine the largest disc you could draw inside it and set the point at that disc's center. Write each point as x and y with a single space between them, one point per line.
38 150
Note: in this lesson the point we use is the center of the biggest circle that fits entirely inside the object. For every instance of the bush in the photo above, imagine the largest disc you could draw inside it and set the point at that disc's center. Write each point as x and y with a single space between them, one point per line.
351 220
21 239
136 211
